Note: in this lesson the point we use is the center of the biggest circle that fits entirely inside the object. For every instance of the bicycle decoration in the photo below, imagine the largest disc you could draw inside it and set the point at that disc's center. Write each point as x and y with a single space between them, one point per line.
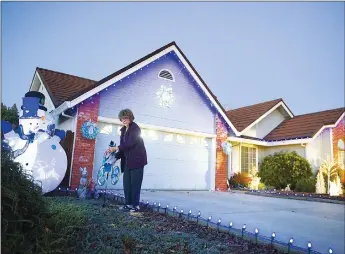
89 130
108 166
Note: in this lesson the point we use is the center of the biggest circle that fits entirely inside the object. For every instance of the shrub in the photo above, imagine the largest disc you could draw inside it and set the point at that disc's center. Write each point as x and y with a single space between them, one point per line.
306 185
240 180
283 168
262 186
22 207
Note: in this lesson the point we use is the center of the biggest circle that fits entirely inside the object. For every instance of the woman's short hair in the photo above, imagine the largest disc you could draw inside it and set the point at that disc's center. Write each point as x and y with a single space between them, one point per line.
126 112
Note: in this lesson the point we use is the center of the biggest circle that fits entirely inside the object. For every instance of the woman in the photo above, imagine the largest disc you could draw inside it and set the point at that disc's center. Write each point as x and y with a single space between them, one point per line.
133 157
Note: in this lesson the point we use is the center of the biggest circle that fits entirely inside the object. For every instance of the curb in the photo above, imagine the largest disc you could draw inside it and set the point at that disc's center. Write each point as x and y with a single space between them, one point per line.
321 200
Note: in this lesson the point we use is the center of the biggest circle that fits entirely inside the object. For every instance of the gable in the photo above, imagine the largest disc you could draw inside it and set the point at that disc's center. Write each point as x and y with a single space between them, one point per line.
266 125
130 70
190 109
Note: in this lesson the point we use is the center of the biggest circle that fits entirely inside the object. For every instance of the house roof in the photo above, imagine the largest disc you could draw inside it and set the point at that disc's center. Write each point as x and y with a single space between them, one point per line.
243 117
63 87
304 125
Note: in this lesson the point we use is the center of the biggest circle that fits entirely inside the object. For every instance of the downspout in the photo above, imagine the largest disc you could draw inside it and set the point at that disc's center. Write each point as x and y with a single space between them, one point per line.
68 116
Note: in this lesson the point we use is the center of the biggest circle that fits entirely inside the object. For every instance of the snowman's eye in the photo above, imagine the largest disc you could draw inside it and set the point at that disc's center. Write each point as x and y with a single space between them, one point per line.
30 123
36 123
27 164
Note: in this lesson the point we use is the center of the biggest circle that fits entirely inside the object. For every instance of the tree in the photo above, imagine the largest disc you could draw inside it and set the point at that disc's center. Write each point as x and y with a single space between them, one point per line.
283 168
10 114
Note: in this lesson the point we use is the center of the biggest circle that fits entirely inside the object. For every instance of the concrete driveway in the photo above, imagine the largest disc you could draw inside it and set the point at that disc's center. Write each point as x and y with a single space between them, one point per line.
320 223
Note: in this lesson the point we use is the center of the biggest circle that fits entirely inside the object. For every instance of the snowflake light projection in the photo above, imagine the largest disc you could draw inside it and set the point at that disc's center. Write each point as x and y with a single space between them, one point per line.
165 96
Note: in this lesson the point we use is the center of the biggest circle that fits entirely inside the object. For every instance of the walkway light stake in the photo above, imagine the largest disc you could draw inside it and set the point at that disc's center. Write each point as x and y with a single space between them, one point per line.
256 235
147 203
208 220
189 213
159 206
309 247
330 251
218 223
230 226
289 244
181 213
243 229
174 210
166 208
197 217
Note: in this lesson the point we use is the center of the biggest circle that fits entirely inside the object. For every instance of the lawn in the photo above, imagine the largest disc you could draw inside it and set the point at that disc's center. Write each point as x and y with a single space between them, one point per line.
94 228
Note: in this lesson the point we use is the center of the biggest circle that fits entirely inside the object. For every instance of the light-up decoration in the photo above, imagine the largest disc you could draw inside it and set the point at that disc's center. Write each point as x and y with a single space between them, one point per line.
165 96
226 147
169 138
89 130
37 150
180 139
108 169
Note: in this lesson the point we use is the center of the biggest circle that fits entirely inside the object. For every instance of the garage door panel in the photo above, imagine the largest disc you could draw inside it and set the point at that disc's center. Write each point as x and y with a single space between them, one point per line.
175 161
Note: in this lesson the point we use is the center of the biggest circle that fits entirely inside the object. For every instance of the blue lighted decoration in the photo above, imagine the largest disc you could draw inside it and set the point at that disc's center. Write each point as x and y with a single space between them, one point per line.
89 130
226 147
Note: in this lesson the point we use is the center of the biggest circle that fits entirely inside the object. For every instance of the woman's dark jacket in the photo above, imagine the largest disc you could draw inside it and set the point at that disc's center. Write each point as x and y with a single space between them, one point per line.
132 150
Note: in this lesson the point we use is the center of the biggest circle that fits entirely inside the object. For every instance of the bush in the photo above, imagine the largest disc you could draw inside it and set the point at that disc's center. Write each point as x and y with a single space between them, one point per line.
240 180
283 168
306 185
31 223
262 186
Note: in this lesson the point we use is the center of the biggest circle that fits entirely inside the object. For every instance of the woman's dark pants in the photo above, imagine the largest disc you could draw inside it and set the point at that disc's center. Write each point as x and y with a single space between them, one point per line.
132 180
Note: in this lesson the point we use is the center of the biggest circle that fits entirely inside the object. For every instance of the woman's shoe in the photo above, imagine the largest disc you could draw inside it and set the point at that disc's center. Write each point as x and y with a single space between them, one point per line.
135 209
126 208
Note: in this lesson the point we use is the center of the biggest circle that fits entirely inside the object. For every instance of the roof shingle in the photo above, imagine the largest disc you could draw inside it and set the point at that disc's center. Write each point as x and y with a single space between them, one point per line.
243 117
304 125
64 87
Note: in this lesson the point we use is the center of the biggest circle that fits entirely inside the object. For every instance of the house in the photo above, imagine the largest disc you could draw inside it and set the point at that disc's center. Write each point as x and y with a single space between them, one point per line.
270 127
183 124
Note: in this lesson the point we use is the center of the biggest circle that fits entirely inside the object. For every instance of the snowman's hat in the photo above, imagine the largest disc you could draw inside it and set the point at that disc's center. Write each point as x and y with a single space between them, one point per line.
40 96
112 144
32 104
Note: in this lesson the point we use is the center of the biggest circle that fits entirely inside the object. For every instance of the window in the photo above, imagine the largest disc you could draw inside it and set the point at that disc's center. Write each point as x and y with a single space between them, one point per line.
248 159
167 75
341 154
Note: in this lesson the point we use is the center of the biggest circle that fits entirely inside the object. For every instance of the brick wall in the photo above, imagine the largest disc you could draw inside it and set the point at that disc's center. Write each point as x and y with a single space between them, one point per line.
84 149
221 157
338 133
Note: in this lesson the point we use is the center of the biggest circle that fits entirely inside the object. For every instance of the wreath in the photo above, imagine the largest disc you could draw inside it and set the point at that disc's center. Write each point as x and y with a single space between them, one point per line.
89 130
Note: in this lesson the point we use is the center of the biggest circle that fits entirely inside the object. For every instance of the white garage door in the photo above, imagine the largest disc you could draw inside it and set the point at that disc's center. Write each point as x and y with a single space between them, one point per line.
175 161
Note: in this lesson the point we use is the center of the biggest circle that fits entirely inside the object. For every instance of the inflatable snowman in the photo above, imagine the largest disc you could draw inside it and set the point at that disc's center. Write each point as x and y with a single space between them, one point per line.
36 143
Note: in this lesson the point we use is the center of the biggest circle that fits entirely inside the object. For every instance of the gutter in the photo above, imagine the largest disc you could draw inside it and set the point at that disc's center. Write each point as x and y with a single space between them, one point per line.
62 108
272 143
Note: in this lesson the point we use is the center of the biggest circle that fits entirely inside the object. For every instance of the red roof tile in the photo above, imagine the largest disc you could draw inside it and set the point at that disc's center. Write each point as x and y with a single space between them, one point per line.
64 87
304 125
243 117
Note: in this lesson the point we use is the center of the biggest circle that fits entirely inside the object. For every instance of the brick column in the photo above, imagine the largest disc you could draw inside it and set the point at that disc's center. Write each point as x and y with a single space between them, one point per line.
221 157
338 133
84 149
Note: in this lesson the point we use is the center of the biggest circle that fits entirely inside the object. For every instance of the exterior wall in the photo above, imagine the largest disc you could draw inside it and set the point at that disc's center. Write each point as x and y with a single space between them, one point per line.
338 134
266 125
234 167
221 157
265 151
190 111
84 149
319 149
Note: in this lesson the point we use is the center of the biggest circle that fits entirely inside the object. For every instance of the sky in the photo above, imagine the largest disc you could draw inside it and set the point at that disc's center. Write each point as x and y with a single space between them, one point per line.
247 52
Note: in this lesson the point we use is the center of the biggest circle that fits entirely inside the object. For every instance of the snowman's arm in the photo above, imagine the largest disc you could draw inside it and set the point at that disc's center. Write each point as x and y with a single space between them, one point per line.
18 152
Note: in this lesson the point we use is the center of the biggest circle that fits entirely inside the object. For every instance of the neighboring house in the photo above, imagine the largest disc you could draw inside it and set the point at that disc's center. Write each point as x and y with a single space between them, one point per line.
270 127
183 124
